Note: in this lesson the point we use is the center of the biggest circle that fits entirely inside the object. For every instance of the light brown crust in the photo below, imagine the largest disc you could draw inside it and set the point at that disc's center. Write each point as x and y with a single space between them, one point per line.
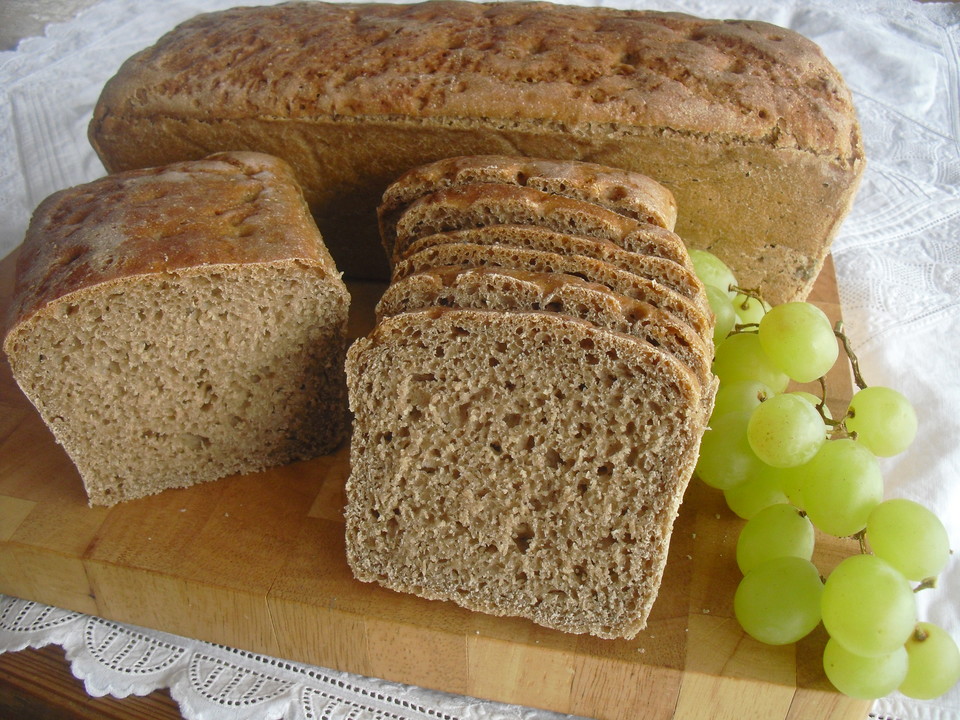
231 208
746 80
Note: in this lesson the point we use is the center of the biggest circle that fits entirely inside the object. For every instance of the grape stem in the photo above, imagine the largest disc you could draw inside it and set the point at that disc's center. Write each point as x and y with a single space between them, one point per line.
851 356
822 405
747 293
926 584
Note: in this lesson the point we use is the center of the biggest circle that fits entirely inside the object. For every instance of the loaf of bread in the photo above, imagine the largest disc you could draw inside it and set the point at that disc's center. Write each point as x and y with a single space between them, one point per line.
529 406
179 324
748 124
523 464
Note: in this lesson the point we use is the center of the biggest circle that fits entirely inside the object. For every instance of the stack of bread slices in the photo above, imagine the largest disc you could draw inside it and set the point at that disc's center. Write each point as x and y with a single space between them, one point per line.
529 406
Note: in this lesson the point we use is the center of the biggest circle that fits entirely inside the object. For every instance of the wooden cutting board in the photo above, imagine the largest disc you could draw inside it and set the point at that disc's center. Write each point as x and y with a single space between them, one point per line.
257 562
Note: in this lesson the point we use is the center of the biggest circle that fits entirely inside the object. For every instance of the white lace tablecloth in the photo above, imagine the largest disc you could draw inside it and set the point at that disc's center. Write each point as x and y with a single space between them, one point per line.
898 267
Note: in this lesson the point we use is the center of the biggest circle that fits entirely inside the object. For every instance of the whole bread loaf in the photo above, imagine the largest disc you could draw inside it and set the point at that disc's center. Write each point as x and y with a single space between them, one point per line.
179 324
748 124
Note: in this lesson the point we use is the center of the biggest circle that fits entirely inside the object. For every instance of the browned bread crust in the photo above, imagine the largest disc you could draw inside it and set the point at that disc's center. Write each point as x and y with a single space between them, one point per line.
747 124
483 205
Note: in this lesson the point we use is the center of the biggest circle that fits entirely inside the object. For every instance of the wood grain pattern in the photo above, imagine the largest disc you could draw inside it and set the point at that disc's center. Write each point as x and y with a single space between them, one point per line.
257 562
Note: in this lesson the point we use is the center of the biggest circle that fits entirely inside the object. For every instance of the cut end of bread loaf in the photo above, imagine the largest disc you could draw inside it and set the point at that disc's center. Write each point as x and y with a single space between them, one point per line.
523 464
187 377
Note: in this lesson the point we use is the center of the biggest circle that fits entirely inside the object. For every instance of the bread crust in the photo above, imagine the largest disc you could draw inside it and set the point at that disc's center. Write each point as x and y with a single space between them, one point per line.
229 208
747 124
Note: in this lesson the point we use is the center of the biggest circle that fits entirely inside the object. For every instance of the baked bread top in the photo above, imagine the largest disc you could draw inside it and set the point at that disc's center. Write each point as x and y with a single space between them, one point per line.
248 209
583 68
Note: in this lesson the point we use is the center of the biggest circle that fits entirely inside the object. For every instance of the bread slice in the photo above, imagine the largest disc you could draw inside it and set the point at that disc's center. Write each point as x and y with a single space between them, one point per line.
521 464
504 289
624 192
530 237
486 204
179 324
622 281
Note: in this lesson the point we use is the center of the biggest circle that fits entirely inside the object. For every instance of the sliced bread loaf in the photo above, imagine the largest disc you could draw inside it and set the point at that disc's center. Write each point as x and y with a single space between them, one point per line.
179 324
505 289
485 204
624 192
522 464
622 281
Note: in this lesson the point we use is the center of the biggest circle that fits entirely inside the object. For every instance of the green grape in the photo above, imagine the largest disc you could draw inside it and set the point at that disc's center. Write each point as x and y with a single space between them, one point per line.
910 537
866 678
776 531
799 339
740 357
843 485
713 272
883 419
725 458
739 395
749 310
758 491
933 663
791 481
785 431
868 607
722 308
778 602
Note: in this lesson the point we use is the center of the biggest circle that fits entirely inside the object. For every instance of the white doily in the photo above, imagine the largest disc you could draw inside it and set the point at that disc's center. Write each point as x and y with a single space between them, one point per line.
213 681
898 268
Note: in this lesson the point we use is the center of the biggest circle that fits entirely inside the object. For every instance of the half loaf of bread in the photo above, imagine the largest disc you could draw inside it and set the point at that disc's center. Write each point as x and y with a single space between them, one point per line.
179 324
748 124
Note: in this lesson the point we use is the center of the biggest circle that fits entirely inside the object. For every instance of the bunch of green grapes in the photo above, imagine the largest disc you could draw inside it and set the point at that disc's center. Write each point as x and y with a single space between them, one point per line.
789 469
